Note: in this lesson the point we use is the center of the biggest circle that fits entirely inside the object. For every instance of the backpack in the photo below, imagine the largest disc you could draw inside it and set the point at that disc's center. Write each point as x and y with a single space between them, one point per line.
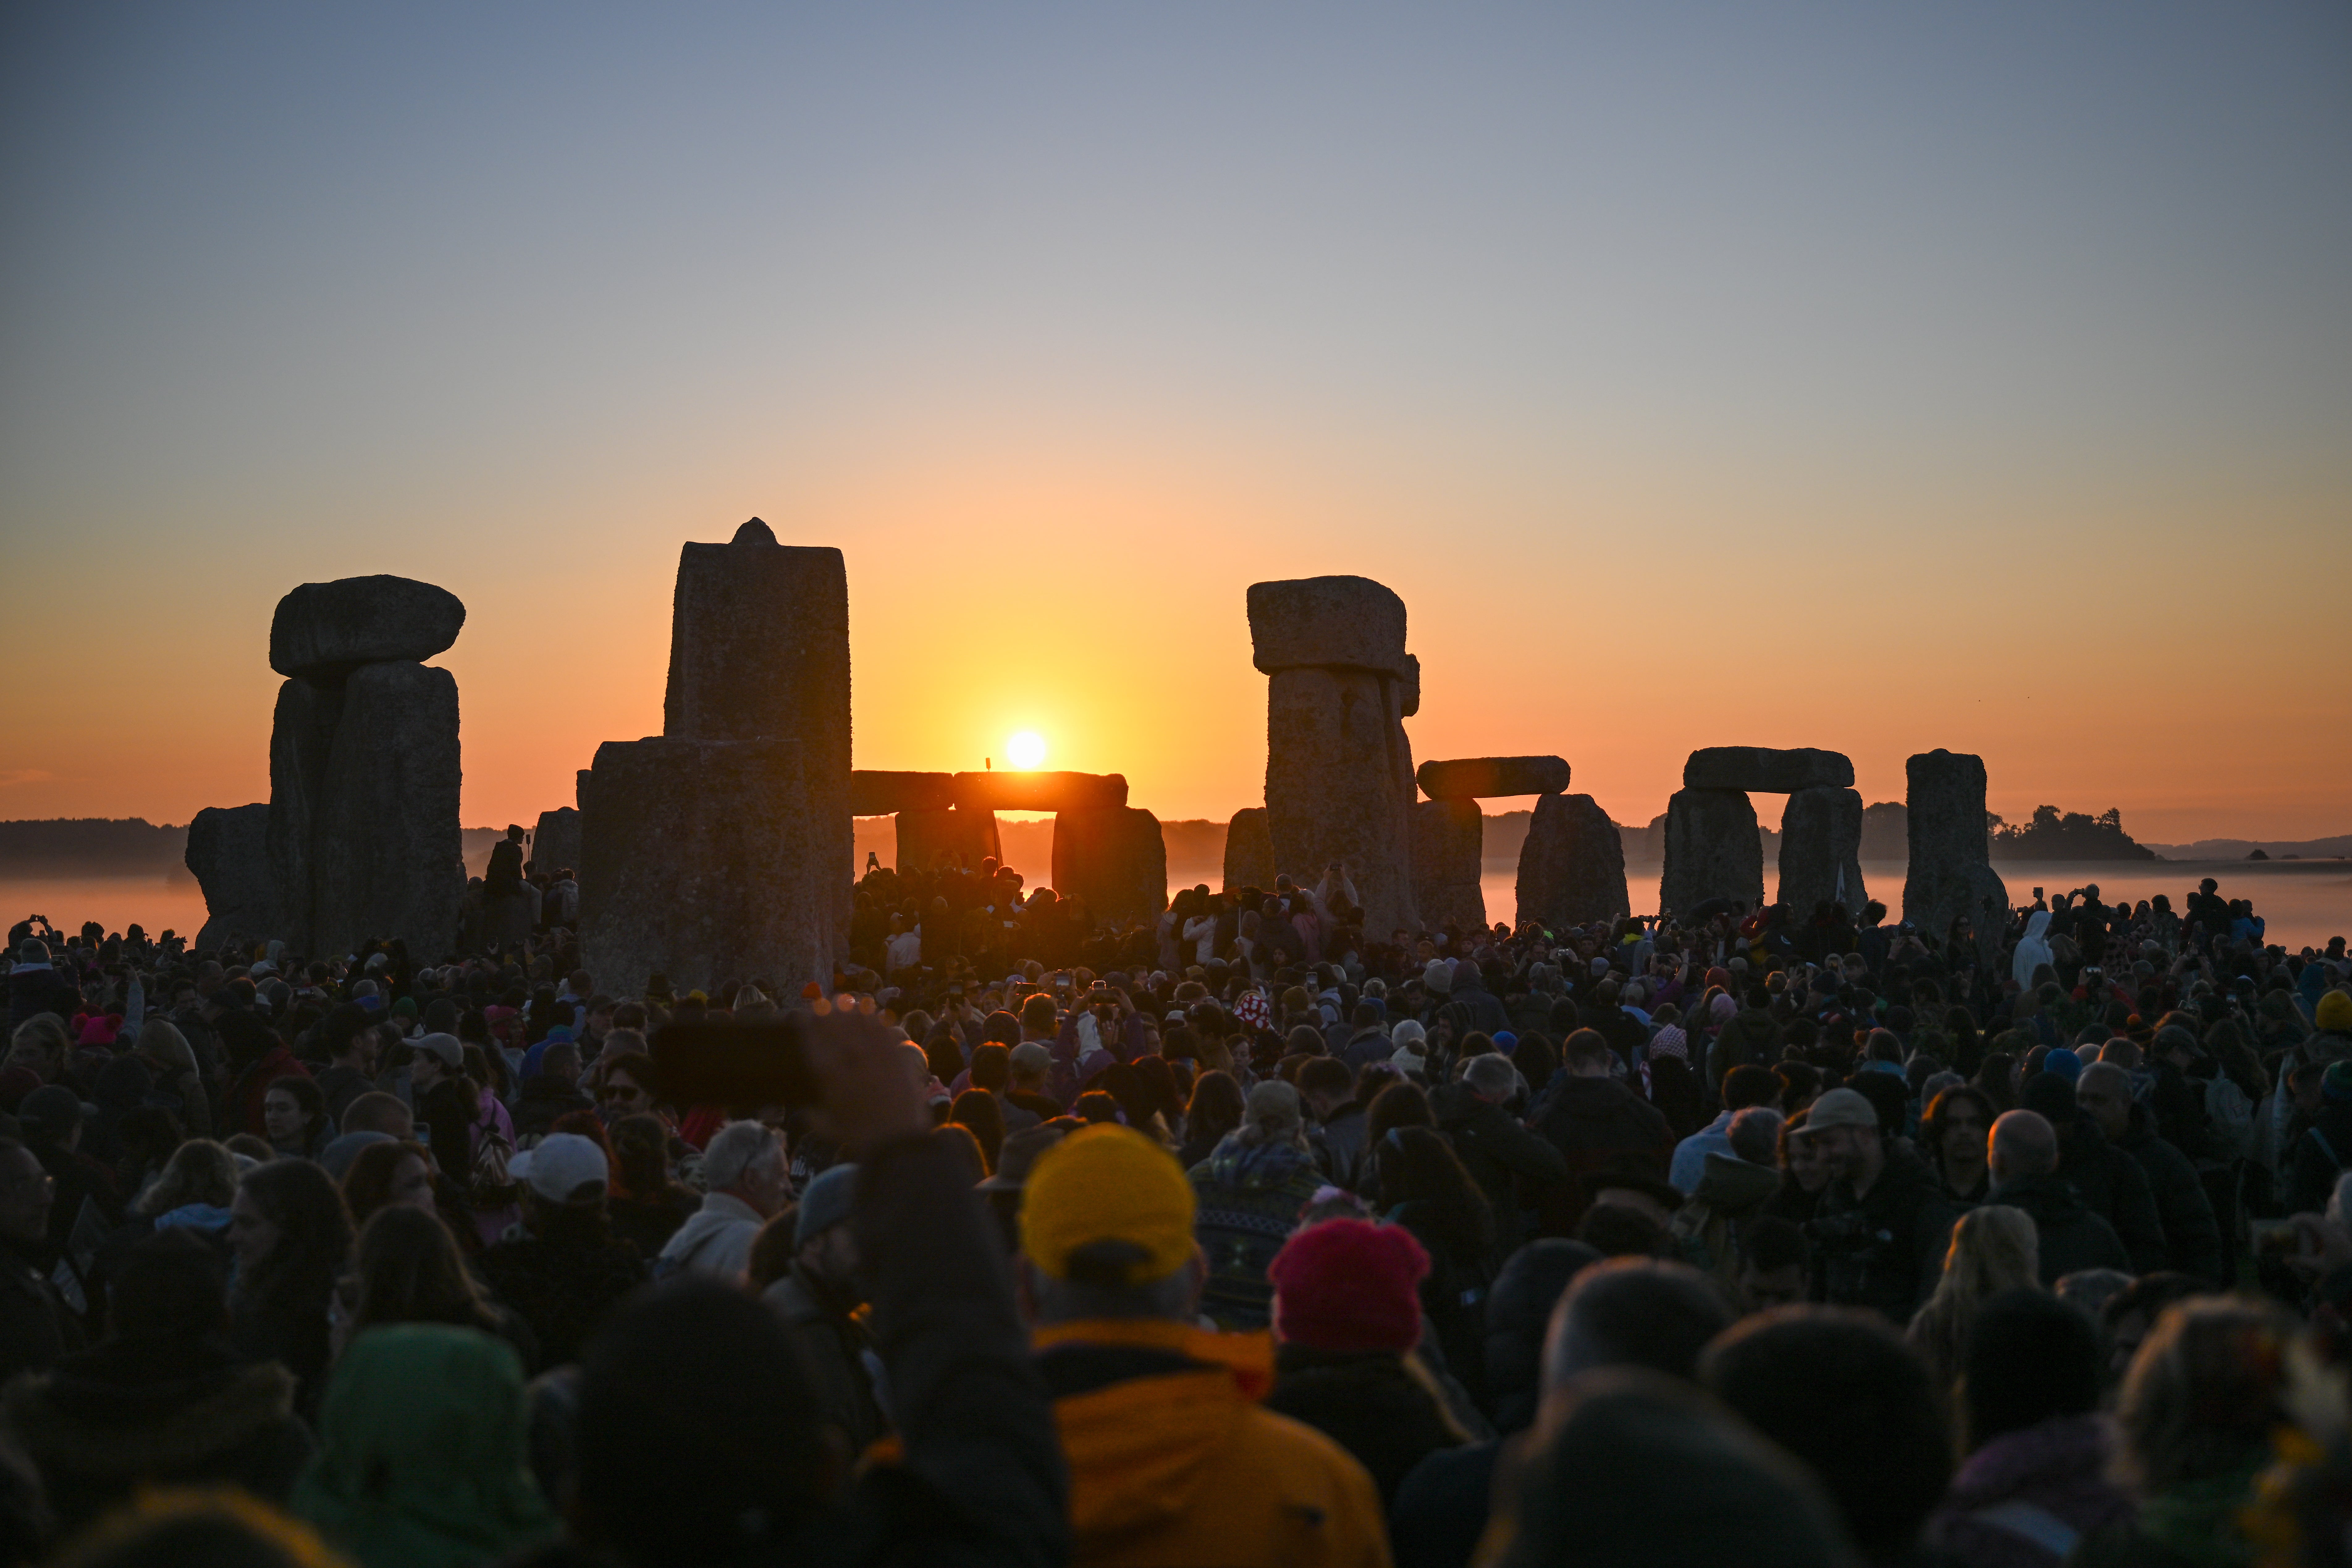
2231 1117
491 1151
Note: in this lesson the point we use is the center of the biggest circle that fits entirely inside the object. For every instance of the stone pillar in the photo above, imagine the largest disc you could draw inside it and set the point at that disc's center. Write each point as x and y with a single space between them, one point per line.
1339 768
555 842
701 861
1448 846
925 836
228 850
1950 872
1573 866
1713 850
760 649
1821 852
1249 851
362 837
1114 858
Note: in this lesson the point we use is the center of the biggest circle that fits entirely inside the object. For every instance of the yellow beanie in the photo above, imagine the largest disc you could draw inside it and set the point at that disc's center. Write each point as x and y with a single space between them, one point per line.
2335 1012
1108 1182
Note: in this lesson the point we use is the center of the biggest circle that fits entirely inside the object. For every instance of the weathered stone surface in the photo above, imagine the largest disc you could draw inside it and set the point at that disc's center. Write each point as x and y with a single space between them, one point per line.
1249 851
386 848
1764 769
228 850
1339 786
928 839
1821 852
1339 622
1951 873
1447 842
760 648
302 738
1113 858
324 630
702 861
879 793
1713 850
1039 791
555 843
1573 864
1477 778
1409 687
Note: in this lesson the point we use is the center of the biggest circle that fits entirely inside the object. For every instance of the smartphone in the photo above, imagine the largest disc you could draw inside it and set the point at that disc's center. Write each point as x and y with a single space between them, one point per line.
739 1066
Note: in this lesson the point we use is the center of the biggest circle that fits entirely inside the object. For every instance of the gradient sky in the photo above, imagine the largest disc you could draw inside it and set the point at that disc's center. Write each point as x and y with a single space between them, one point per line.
1871 377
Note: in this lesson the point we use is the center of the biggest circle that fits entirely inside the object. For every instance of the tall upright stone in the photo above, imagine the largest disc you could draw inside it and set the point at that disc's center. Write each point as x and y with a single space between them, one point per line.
555 841
1448 846
699 862
1821 852
1249 851
760 650
1951 873
388 855
1113 858
1339 768
1713 850
1571 864
301 738
228 850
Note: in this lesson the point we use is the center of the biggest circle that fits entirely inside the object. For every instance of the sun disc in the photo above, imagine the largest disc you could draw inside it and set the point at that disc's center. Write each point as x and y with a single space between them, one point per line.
1026 750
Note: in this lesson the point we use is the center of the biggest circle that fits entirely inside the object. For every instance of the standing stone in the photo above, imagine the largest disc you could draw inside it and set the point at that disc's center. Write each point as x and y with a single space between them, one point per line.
1114 858
1950 872
1713 850
1484 778
301 738
555 842
1249 851
965 837
389 857
1572 865
1821 852
699 862
1448 844
760 649
326 630
1766 770
228 850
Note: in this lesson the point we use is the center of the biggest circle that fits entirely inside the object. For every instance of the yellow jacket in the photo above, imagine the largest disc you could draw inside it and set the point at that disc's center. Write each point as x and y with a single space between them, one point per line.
1181 1469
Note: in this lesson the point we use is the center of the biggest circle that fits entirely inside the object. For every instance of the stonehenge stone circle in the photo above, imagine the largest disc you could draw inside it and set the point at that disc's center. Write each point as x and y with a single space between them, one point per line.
326 630
1572 865
555 842
1038 792
1821 852
228 850
1474 778
1713 850
1339 768
1112 858
1448 840
872 793
1249 851
1950 872
760 650
1766 771
704 862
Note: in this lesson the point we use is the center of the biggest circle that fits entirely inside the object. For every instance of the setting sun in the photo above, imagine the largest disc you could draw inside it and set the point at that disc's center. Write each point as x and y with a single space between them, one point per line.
1026 750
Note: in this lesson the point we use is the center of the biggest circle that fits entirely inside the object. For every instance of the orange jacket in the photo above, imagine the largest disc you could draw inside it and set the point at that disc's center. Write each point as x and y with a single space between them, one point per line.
1185 1470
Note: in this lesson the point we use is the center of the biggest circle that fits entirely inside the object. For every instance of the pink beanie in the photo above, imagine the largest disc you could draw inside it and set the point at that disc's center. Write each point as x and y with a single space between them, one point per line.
1348 1285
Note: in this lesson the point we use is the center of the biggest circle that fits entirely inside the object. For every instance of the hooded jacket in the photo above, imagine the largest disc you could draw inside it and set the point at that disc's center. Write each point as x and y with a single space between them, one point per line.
1249 1196
716 1239
2072 1236
1499 1152
1173 1462
1371 1404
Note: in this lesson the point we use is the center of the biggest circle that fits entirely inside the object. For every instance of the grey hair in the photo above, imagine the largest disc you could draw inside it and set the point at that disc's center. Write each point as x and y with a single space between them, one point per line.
735 1149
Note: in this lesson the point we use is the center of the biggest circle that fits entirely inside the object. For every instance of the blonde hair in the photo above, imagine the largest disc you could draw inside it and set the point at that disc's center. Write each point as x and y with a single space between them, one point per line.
159 1038
1994 1248
199 1172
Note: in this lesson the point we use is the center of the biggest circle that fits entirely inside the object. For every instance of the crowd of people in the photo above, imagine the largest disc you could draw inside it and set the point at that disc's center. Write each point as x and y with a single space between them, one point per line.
1238 1235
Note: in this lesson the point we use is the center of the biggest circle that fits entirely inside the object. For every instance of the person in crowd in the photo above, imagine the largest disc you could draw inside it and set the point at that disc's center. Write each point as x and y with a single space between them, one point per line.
291 1235
1994 1250
1327 1084
1842 1391
1880 1230
406 1268
2068 1236
647 1203
562 1268
1248 1193
164 1400
744 1170
819 1301
1952 1138
1733 1189
2035 1480
174 1077
2110 1182
1424 1189
1502 1156
1214 1111
37 1326
294 1117
2104 1093
50 1122
391 1173
1598 1125
552 1091
349 1038
1743 1086
1171 1457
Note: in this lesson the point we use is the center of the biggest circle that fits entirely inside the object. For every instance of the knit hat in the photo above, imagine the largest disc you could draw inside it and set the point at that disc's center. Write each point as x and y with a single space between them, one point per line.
1348 1285
1439 976
1108 1182
51 1113
2064 1064
825 1203
2334 1013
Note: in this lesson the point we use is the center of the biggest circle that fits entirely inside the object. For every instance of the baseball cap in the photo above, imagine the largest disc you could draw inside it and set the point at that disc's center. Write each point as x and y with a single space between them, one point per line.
1840 1107
560 1164
449 1048
824 1203
1108 1182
